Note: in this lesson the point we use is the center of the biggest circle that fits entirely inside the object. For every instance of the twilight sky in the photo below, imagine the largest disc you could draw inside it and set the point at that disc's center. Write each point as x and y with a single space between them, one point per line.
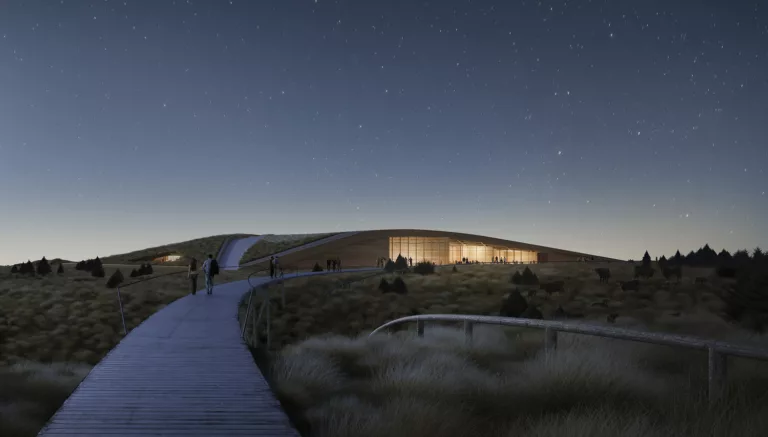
607 127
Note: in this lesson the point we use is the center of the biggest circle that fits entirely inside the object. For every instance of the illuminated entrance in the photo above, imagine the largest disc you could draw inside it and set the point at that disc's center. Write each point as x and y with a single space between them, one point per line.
445 250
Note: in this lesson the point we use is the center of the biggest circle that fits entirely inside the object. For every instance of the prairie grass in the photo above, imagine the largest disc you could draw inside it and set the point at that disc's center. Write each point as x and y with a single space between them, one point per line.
199 248
272 244
335 381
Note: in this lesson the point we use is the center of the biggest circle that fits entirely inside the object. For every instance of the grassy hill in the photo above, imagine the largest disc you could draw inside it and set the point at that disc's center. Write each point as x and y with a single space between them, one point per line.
272 244
199 248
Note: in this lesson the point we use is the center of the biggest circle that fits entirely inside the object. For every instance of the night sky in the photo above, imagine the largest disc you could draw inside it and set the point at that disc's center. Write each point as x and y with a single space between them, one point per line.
608 127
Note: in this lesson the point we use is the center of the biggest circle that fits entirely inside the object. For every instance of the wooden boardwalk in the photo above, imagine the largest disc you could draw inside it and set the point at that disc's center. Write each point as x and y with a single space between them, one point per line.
183 372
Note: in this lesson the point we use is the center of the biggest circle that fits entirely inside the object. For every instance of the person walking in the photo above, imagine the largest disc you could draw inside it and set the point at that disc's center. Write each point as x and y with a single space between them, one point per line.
277 267
271 266
210 269
192 275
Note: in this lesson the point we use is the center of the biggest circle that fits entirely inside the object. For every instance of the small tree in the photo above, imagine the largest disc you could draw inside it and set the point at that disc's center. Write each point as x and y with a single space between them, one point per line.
390 267
317 268
149 269
514 305
43 267
384 286
401 264
29 268
114 280
517 278
134 273
60 270
98 272
678 258
97 262
646 259
529 278
454 270
15 269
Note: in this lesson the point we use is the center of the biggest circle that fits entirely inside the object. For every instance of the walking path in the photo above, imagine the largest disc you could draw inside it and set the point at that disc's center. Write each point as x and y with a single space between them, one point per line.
234 251
185 371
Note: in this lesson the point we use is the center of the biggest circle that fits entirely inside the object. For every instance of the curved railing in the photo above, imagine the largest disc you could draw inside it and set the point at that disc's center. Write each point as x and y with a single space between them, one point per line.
718 351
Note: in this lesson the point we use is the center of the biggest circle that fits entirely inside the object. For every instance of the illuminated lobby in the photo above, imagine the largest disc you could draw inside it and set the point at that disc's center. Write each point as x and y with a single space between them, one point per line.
447 250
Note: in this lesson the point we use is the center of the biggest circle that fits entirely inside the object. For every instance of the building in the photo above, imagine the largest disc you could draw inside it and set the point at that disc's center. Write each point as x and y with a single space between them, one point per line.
364 248
166 259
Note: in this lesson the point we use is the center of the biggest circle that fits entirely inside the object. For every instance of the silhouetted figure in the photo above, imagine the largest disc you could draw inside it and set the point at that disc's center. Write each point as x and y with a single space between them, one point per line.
333 264
328 265
338 263
410 261
277 267
271 266
210 269
192 275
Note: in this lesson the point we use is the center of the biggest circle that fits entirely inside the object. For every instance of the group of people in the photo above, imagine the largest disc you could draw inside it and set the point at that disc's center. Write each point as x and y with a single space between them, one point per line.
333 265
210 269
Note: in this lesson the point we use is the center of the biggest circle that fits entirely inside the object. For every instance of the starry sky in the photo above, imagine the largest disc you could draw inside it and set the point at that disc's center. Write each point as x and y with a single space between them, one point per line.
608 127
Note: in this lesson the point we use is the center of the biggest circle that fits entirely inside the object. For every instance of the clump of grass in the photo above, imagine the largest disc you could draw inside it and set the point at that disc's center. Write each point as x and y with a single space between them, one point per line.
31 392
403 385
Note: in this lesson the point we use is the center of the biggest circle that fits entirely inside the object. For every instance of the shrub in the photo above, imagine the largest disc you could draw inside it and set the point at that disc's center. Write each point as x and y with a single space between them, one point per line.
532 313
98 272
514 305
384 286
646 259
424 268
80 265
517 278
116 279
529 278
398 286
15 269
43 267
401 264
454 270
60 270
317 268
134 273
390 267
27 268
727 272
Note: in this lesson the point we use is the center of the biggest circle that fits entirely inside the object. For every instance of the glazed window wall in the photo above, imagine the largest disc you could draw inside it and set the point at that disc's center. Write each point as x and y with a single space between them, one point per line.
442 250
432 249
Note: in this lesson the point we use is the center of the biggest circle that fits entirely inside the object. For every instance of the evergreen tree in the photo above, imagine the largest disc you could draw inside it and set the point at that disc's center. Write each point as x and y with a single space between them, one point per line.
60 270
677 259
98 272
401 264
724 256
646 259
29 269
114 280
97 262
43 267
15 269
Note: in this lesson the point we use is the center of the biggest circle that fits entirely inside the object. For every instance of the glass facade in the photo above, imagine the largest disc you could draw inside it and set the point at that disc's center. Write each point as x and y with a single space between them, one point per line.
444 250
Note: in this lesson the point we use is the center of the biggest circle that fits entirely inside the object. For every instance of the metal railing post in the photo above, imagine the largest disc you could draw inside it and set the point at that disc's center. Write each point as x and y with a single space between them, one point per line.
717 375
420 328
247 314
468 328
122 313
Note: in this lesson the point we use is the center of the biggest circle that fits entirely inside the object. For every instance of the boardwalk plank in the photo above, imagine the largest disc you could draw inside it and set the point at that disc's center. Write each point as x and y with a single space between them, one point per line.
184 371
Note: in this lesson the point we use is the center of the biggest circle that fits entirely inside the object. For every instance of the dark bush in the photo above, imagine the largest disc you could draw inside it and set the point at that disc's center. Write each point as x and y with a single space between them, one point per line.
424 268
15 269
517 278
80 265
727 272
532 313
747 301
398 286
97 262
88 266
390 267
317 268
455 270
114 280
646 259
401 264
529 278
98 272
644 271
60 270
28 268
384 286
43 267
134 273
514 305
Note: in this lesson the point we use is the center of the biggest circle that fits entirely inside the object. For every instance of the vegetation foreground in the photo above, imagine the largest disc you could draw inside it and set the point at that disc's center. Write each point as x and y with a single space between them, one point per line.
335 382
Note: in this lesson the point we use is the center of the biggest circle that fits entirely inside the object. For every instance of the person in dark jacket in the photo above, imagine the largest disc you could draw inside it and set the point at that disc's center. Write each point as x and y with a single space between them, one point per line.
192 275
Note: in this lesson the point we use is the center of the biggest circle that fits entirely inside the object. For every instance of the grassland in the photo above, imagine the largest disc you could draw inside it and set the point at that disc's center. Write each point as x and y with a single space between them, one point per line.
53 328
335 382
199 248
272 244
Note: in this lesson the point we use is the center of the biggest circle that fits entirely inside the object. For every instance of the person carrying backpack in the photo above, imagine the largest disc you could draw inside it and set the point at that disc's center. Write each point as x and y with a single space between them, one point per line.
210 268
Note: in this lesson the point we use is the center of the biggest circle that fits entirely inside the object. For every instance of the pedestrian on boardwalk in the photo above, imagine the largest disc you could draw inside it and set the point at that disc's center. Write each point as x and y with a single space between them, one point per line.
192 275
338 263
271 266
210 269
277 267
